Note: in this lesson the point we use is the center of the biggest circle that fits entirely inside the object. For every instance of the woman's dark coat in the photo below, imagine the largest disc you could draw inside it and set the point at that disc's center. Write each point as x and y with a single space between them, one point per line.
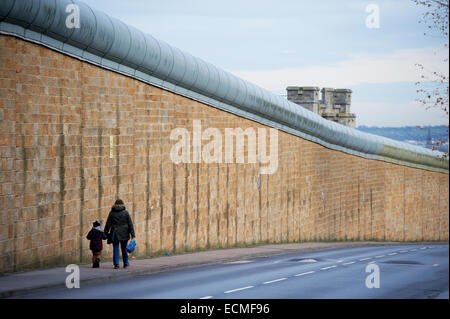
119 224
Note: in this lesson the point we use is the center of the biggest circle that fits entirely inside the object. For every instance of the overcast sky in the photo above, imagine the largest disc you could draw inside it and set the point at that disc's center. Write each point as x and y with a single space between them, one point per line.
324 43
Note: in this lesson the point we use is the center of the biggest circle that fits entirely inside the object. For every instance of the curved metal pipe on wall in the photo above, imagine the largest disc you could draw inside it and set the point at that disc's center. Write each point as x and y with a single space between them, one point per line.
114 45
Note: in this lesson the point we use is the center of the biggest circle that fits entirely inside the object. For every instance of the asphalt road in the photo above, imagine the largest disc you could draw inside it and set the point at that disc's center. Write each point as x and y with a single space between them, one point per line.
405 271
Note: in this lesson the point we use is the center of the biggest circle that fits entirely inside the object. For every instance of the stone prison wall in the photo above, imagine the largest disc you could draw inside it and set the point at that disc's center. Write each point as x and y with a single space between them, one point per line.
74 137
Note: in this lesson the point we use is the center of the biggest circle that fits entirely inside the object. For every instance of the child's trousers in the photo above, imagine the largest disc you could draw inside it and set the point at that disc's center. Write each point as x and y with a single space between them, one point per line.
95 255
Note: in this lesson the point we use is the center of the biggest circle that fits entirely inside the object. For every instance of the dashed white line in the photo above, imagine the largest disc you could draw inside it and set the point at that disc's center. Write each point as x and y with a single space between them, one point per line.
329 267
275 280
309 260
237 289
206 297
239 262
305 273
311 272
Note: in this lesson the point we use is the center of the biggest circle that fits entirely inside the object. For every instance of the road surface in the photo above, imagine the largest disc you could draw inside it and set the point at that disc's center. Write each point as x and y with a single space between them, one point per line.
405 271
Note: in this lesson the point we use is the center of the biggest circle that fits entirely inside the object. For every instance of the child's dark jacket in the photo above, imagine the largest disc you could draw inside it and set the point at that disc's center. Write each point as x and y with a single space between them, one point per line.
96 237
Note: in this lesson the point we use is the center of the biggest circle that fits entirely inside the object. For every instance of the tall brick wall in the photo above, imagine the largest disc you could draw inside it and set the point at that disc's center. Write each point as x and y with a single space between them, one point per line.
57 176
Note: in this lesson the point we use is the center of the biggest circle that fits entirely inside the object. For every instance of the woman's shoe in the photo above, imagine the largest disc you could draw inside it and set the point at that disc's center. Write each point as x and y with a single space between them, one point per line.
126 265
116 266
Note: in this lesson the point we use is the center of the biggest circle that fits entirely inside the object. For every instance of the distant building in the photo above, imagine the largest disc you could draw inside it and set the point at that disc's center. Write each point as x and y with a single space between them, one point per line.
334 104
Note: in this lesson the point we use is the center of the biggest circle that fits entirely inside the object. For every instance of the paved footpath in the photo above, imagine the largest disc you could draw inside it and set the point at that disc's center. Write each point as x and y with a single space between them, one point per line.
14 284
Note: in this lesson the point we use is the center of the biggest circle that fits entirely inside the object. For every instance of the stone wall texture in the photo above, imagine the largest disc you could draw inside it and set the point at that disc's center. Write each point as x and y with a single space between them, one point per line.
57 116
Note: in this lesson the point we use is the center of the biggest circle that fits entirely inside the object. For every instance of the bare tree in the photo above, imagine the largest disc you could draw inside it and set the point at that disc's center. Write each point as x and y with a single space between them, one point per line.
433 90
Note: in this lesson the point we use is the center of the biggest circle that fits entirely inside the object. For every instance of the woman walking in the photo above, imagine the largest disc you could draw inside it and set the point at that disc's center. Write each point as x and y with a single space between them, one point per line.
119 227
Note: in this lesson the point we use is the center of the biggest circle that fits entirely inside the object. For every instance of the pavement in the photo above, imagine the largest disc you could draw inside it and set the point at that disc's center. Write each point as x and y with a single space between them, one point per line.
16 284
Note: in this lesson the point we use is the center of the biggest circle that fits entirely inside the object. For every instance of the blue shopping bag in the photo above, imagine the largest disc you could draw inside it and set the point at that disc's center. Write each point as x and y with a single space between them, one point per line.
131 246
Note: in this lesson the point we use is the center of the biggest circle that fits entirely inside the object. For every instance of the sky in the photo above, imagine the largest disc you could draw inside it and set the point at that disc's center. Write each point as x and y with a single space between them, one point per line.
324 43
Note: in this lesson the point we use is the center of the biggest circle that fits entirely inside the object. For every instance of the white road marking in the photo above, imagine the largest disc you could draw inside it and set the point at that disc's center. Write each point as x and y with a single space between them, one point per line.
339 261
276 280
392 254
413 249
349 263
423 248
435 265
206 297
233 290
329 267
239 262
403 251
380 256
307 261
305 273
365 258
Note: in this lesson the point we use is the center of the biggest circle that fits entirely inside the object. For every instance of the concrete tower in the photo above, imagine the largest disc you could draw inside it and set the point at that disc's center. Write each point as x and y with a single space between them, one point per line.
306 96
334 105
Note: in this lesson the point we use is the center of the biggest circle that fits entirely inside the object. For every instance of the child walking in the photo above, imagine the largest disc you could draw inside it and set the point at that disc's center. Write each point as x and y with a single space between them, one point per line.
96 236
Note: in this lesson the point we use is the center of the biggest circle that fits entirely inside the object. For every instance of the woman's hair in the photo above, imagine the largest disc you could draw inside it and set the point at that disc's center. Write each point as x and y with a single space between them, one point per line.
119 202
